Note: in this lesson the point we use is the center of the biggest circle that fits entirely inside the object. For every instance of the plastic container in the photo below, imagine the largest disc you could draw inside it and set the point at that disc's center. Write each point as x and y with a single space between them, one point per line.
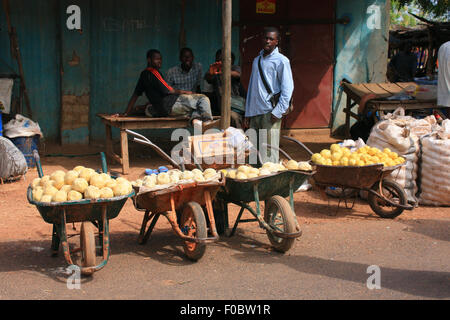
27 145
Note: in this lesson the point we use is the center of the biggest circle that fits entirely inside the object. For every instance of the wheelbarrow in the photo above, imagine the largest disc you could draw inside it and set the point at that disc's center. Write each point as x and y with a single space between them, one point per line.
385 197
182 206
279 219
92 213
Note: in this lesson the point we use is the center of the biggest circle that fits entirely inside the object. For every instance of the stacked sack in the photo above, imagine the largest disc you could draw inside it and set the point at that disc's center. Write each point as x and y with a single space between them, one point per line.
401 134
435 177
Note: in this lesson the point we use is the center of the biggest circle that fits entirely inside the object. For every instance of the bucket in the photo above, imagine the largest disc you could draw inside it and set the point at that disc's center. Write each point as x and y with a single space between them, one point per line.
27 145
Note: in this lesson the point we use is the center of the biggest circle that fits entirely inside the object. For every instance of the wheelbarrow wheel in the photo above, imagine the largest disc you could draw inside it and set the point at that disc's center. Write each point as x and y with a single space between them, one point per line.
87 244
193 224
278 214
392 191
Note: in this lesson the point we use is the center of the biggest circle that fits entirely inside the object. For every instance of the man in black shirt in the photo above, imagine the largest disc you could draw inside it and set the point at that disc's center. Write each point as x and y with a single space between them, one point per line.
404 64
165 100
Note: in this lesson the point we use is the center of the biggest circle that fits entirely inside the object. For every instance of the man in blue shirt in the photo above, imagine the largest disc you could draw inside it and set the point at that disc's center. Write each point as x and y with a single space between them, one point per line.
259 112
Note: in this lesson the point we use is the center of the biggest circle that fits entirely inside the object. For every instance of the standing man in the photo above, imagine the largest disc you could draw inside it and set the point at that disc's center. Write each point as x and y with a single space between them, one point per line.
165 100
262 112
187 76
443 92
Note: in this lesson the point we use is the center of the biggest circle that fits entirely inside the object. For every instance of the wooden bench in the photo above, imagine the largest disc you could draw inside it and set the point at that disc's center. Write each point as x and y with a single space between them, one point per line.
135 123
356 92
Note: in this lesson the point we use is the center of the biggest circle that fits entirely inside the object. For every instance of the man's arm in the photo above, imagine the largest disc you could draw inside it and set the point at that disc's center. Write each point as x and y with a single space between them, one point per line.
287 88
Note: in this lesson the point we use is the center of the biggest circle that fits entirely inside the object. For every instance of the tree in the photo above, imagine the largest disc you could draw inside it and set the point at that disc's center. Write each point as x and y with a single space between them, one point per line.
435 8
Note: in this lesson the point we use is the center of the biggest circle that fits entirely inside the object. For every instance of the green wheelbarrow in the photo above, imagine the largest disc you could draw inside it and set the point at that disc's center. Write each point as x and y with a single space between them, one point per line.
279 219
92 213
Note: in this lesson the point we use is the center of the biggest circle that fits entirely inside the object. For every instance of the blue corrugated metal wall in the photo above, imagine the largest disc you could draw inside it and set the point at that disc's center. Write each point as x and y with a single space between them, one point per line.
112 48
361 48
37 30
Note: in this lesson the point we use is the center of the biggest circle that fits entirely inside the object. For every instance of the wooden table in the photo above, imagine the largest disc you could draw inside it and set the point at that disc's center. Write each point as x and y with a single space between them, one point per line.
135 123
356 93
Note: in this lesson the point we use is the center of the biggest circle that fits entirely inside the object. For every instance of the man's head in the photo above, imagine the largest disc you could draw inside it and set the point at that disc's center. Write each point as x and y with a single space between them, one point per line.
219 56
154 58
186 58
271 38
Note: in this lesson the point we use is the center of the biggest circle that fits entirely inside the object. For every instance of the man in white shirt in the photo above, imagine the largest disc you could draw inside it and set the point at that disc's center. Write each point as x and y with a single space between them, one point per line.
443 92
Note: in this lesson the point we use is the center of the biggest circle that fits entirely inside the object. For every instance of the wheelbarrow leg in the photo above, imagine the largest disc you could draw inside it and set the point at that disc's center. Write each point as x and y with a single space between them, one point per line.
143 235
238 219
55 241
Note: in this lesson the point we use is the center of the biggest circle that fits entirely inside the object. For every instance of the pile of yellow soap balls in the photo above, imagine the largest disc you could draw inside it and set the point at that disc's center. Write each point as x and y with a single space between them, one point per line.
176 176
365 156
77 184
248 172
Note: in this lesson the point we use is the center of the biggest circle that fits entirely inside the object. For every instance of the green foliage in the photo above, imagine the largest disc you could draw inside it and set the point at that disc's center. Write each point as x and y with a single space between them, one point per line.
436 8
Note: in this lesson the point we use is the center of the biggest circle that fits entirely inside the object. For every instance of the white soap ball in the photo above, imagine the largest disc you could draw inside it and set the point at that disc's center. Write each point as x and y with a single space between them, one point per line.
46 198
74 195
44 179
106 193
80 185
111 183
305 166
252 175
150 178
121 189
50 191
264 172
36 182
98 180
92 192
49 183
232 174
121 180
210 171
199 178
150 183
78 169
163 178
175 172
241 175
187 175
244 169
197 171
86 174
58 181
292 165
174 178
60 196
253 171
70 176
37 194
66 188
57 173
137 183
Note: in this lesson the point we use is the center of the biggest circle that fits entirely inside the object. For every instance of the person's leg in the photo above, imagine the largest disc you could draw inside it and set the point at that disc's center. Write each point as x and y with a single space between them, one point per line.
236 120
273 137
197 106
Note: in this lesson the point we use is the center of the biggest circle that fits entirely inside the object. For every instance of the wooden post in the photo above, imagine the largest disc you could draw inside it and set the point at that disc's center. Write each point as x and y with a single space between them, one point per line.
226 64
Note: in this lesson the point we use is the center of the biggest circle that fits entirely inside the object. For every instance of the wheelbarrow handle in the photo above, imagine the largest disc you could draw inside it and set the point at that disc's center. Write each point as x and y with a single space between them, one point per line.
158 150
299 143
278 149
38 163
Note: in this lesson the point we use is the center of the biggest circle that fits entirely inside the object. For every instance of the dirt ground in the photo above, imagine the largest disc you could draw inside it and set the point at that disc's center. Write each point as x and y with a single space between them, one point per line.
20 221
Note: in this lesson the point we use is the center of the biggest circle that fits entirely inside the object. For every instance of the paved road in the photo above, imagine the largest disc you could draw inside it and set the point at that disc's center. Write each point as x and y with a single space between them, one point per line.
329 261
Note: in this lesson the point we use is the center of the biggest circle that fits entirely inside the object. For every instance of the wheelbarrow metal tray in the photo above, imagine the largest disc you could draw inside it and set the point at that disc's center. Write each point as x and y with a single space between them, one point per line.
357 177
79 211
268 186
160 200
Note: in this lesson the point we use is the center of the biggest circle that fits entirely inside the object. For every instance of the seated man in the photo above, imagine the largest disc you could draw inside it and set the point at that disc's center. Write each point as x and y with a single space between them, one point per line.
186 76
238 93
166 101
